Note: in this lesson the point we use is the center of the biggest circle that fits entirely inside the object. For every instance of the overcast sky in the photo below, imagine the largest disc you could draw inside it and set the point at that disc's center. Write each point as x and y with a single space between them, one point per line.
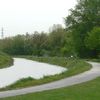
21 16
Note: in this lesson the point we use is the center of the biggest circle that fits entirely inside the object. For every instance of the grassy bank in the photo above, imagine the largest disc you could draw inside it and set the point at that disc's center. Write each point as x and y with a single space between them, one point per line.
5 60
85 91
94 60
75 66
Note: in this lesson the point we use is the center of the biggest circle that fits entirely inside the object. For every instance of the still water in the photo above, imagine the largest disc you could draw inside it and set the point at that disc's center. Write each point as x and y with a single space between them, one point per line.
24 68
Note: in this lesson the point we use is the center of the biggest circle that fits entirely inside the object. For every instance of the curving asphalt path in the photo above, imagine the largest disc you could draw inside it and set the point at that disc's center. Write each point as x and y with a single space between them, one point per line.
80 78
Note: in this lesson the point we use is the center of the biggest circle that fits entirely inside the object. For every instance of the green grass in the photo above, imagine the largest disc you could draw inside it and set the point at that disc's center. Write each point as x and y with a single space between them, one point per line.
85 91
74 66
94 60
5 60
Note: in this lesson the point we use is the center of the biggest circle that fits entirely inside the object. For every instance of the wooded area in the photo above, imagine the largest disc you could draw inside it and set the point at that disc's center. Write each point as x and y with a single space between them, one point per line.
80 38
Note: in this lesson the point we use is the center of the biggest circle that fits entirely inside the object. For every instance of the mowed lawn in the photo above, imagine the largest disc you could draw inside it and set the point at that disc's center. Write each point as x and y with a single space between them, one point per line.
85 91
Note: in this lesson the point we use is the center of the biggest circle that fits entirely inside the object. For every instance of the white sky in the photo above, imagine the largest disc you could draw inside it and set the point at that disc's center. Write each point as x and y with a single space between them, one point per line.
21 16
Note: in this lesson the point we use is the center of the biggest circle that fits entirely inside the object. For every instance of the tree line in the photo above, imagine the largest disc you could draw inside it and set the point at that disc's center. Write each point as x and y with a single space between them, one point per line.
53 43
81 37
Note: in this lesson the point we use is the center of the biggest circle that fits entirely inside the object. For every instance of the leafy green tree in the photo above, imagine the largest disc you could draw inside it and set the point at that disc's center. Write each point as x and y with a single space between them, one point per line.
39 43
81 20
28 49
56 40
68 47
92 40
18 45
86 12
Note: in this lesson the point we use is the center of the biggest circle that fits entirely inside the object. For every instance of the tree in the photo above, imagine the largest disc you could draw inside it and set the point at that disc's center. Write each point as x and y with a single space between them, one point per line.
18 45
55 28
92 40
39 43
56 40
68 47
81 20
86 12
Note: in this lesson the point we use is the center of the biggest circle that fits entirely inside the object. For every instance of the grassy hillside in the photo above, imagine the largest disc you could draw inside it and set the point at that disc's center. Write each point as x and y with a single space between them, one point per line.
5 60
85 91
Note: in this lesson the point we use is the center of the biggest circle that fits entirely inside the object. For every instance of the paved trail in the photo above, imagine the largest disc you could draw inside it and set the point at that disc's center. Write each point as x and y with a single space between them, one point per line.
80 78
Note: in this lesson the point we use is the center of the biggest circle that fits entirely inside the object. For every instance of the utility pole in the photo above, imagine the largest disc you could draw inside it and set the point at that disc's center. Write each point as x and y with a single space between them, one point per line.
2 32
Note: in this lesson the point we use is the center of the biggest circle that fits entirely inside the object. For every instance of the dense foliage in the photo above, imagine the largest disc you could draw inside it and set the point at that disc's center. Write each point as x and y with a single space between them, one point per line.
92 40
81 37
82 20
53 43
